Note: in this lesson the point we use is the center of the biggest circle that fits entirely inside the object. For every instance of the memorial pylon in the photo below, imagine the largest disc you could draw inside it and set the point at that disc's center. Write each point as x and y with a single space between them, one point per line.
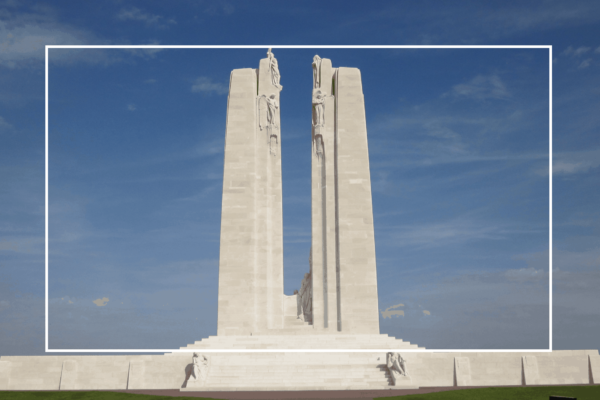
343 270
340 294
251 253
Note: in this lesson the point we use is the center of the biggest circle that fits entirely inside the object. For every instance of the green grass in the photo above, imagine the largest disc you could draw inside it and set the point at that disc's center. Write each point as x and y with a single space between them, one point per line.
509 393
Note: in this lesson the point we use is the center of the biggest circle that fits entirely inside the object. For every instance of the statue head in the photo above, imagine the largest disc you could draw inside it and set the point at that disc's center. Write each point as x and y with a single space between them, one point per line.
272 96
316 58
295 291
306 275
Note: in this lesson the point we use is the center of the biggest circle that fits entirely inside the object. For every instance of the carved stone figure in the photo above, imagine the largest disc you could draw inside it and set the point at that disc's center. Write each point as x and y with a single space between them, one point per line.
319 107
275 76
197 374
272 107
319 146
299 308
306 292
316 72
396 365
267 110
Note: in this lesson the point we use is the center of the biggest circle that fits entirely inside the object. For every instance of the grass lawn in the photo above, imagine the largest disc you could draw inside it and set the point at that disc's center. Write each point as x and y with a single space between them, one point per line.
509 393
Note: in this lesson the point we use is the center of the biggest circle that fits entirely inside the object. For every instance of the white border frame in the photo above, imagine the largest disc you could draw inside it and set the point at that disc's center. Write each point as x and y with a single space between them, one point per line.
549 47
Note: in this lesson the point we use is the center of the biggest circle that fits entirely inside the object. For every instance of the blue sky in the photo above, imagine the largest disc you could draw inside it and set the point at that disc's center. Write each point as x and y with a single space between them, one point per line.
458 144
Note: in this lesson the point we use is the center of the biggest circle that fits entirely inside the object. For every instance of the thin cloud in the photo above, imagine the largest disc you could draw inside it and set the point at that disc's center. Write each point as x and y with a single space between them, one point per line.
585 63
220 8
575 162
480 88
4 126
525 274
575 52
458 230
204 84
101 302
131 107
150 81
24 35
392 311
135 14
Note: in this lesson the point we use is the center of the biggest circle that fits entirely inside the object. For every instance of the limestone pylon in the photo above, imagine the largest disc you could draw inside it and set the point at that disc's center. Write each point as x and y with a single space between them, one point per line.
344 275
251 253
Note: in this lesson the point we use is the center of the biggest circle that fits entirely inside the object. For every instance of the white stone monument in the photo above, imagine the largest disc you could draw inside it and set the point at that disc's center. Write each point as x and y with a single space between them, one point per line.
343 271
336 305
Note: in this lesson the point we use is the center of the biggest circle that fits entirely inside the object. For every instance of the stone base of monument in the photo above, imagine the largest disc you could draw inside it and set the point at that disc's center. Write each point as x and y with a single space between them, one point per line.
309 339
404 382
299 370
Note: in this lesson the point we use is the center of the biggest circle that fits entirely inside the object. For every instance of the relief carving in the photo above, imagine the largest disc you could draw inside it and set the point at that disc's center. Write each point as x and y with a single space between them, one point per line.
197 371
274 67
396 365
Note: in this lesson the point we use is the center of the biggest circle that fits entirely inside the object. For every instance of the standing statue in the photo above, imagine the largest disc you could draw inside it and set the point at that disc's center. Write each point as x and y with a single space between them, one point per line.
306 294
316 72
319 107
299 308
275 76
272 107
396 365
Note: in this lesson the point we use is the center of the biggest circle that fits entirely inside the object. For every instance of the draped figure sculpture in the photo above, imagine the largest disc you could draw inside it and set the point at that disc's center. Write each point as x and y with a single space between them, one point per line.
274 66
316 72
197 372
396 365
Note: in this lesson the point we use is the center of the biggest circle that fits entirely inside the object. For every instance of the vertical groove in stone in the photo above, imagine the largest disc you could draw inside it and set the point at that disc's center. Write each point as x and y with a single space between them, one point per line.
337 215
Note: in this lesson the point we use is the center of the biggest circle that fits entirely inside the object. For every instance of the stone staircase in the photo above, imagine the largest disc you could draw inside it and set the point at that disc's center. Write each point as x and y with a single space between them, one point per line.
302 339
297 371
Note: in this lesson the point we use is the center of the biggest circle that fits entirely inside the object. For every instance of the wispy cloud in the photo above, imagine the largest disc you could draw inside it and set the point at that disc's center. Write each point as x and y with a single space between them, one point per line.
573 162
481 87
135 14
206 85
575 54
131 107
24 34
585 63
4 126
571 51
392 311
101 302
219 8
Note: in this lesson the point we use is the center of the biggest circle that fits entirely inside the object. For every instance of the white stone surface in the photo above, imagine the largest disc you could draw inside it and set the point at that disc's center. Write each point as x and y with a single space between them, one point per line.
462 371
34 372
251 254
4 374
594 366
304 371
95 372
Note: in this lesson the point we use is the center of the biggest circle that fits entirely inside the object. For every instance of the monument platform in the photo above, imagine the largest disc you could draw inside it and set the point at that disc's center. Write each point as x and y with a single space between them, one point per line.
229 371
